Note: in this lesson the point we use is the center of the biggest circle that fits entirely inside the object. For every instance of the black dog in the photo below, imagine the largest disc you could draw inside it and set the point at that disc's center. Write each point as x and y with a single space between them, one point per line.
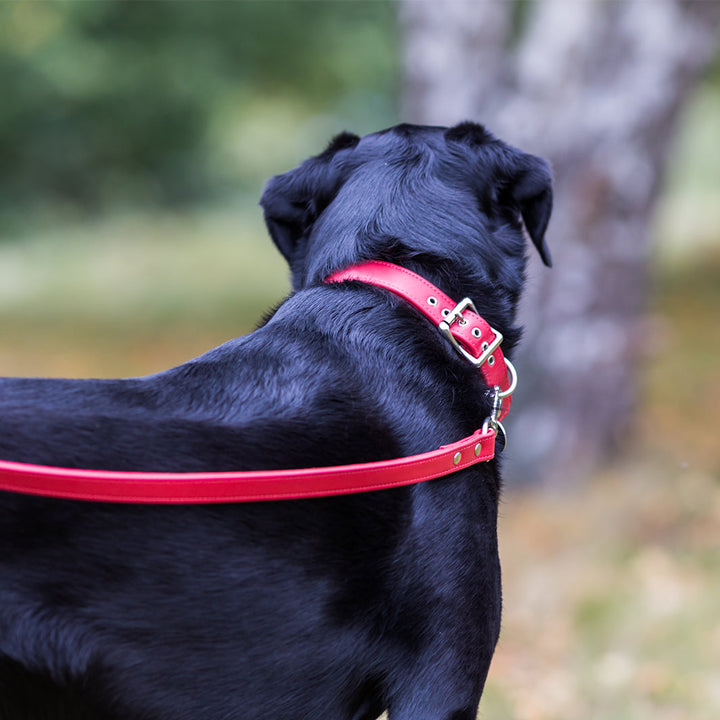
331 608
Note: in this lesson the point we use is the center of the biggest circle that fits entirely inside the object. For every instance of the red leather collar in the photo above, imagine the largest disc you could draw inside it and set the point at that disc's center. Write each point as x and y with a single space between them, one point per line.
460 324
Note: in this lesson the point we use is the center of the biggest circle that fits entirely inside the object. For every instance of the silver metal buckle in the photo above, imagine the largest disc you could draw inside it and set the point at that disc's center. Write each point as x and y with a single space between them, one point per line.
455 315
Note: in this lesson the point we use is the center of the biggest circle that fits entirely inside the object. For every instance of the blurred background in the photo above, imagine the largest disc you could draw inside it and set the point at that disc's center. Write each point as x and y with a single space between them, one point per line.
135 139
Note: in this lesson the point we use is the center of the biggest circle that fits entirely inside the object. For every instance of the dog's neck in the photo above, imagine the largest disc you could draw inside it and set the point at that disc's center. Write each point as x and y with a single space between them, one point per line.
495 303
460 266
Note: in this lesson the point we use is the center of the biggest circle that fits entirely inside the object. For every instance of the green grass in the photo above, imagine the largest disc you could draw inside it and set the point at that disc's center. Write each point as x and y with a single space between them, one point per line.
134 294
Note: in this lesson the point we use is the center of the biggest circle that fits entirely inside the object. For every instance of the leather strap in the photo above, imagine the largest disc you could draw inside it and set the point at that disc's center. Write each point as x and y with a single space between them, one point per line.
467 328
231 487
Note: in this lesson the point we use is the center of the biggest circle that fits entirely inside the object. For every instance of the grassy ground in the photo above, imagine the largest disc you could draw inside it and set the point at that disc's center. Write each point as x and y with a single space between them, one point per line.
611 593
133 295
611 600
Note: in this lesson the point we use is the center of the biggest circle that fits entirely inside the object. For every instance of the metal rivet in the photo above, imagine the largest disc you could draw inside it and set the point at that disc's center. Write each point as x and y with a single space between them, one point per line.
484 346
478 449
432 300
457 458
476 332
491 360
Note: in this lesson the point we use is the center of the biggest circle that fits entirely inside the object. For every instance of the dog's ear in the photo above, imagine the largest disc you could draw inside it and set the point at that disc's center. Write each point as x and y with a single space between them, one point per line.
293 201
531 190
525 180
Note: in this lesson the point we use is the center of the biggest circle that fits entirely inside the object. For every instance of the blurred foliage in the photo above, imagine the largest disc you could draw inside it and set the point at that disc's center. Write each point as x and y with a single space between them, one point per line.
687 221
140 103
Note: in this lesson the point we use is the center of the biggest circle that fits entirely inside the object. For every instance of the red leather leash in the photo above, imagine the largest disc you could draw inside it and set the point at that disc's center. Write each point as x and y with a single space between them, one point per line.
218 487
465 329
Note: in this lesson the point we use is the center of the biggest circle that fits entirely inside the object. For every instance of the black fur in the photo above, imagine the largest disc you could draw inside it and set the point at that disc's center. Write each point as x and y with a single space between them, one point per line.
331 608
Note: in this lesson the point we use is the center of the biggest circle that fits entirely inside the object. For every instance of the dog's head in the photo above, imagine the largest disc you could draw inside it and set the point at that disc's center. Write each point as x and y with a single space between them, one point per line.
455 199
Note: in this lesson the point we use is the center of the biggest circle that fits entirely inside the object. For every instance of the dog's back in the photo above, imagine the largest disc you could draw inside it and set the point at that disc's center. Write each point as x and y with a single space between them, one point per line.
334 607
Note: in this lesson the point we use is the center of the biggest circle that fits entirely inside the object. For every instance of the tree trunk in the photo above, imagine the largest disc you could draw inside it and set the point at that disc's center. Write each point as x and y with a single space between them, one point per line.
596 87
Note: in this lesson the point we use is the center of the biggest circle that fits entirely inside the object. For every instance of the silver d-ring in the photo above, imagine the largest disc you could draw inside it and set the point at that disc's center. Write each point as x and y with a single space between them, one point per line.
513 380
499 429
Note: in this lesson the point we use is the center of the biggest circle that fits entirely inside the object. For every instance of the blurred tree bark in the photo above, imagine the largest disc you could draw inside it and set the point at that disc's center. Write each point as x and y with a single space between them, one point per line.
596 87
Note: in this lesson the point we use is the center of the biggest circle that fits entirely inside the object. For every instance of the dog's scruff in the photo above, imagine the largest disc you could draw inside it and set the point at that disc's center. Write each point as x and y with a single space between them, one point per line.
334 608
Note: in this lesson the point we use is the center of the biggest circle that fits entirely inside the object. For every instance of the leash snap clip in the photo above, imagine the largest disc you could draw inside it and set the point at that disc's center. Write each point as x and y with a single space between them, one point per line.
492 422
